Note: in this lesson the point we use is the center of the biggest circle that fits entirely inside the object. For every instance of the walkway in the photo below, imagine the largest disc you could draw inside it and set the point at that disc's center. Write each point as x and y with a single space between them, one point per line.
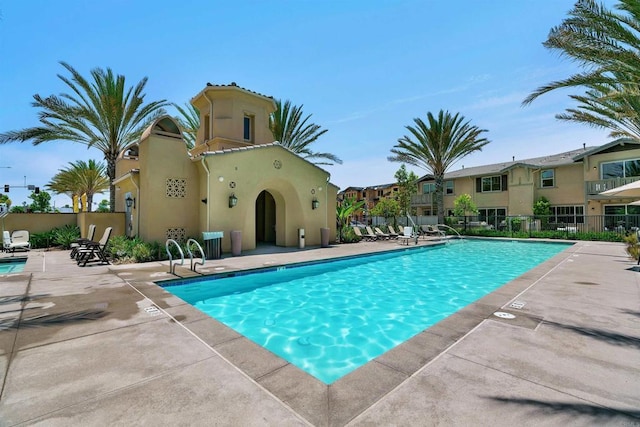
103 345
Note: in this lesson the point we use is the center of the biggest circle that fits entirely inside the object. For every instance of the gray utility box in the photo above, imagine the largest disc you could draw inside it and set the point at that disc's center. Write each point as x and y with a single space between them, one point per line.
213 244
301 238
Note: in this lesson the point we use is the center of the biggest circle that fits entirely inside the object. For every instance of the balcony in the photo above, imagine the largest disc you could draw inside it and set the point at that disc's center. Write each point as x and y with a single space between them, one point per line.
422 200
594 188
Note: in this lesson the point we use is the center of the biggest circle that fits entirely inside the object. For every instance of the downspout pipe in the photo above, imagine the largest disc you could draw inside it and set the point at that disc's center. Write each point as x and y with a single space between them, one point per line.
206 168
326 202
137 205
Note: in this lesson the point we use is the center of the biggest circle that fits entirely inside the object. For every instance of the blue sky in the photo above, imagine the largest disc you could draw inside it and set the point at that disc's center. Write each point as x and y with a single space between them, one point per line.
363 69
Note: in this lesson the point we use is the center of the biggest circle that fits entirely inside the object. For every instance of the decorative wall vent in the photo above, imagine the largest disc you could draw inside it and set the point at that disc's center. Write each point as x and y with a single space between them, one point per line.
176 188
177 234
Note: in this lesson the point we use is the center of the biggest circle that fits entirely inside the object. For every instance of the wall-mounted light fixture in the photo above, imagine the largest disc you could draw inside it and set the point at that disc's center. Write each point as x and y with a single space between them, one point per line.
315 204
233 200
130 201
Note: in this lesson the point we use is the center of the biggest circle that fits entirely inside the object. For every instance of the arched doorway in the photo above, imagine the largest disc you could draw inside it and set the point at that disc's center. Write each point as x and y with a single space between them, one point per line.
265 218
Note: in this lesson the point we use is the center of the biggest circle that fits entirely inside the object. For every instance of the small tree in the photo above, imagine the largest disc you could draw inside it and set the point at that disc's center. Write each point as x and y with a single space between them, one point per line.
5 199
103 206
41 202
463 204
387 208
542 210
344 210
407 188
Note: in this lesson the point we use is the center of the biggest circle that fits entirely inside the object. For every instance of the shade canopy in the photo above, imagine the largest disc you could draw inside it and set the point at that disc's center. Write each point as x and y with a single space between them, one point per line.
628 190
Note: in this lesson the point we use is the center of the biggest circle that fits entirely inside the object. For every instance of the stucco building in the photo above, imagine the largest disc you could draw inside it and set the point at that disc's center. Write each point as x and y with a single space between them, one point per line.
236 178
572 182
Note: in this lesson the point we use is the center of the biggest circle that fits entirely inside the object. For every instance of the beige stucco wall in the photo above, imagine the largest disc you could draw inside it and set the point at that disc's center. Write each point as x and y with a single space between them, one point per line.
163 158
569 186
41 222
222 111
37 222
102 220
247 174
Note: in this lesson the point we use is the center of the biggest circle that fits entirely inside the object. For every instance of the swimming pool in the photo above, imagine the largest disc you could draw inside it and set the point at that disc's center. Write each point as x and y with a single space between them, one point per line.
12 265
330 318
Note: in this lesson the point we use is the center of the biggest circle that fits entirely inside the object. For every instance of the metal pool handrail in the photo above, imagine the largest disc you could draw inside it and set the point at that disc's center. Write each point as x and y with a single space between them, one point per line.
196 263
172 268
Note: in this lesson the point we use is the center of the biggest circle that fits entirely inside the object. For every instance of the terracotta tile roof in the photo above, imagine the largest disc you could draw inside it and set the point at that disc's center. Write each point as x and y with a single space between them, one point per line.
234 84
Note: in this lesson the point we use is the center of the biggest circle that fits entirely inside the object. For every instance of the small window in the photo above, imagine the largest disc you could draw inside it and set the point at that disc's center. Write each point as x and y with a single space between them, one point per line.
488 184
448 187
491 183
248 128
428 187
548 178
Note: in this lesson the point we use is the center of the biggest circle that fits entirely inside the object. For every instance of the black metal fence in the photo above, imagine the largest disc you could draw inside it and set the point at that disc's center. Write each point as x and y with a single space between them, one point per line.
583 227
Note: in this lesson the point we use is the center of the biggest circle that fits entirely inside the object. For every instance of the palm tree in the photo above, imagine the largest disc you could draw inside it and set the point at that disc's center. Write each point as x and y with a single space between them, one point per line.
292 131
80 178
344 210
606 44
437 145
189 122
100 113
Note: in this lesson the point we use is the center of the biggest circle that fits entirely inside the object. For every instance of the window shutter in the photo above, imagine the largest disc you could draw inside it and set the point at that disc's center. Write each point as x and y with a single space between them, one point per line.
478 185
504 182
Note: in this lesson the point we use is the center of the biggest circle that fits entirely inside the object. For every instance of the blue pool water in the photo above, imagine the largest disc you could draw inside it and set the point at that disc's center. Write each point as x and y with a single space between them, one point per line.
12 265
330 318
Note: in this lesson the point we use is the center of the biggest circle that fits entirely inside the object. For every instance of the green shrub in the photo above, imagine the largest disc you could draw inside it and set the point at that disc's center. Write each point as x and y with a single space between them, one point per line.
42 240
349 236
143 252
633 247
119 247
66 235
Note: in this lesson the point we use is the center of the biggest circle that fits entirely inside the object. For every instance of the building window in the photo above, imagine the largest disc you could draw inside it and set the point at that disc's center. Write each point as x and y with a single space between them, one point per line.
492 216
428 187
448 187
547 178
248 128
491 183
567 214
620 169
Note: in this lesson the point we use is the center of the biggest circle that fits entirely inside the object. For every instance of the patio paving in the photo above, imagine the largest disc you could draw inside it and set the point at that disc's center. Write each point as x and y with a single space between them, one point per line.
104 345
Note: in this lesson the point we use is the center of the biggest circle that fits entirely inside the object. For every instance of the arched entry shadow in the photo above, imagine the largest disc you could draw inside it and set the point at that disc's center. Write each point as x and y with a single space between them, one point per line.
265 216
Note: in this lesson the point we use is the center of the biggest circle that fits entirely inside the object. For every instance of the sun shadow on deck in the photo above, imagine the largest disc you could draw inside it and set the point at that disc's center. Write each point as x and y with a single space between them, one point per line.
598 415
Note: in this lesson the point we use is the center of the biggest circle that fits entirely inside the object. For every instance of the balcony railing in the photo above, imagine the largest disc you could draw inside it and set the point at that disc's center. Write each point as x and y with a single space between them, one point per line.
422 199
596 187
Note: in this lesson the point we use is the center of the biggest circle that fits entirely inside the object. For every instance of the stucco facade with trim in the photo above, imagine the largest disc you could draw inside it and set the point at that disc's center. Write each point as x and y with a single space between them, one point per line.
176 193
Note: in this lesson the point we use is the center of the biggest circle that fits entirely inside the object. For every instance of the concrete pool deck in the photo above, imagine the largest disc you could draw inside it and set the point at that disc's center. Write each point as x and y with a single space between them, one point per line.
104 345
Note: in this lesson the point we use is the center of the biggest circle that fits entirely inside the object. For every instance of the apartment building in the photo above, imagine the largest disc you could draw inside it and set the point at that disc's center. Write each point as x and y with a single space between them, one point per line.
572 181
370 195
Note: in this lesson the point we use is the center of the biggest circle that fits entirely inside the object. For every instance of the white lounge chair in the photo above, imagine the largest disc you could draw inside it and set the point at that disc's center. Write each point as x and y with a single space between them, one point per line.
19 239
408 235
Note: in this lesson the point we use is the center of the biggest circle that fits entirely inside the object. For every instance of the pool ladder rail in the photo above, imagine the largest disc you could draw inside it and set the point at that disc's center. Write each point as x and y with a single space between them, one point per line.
193 264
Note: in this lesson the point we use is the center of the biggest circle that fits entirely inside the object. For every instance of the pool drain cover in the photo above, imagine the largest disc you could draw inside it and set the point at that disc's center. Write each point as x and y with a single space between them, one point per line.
503 315
518 304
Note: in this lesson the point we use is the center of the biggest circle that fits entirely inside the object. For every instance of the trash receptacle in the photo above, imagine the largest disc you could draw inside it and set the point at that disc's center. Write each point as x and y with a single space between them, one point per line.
301 238
236 242
324 237
213 244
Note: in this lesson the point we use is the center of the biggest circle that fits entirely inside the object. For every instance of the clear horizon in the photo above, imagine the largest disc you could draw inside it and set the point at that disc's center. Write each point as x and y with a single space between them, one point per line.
363 70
